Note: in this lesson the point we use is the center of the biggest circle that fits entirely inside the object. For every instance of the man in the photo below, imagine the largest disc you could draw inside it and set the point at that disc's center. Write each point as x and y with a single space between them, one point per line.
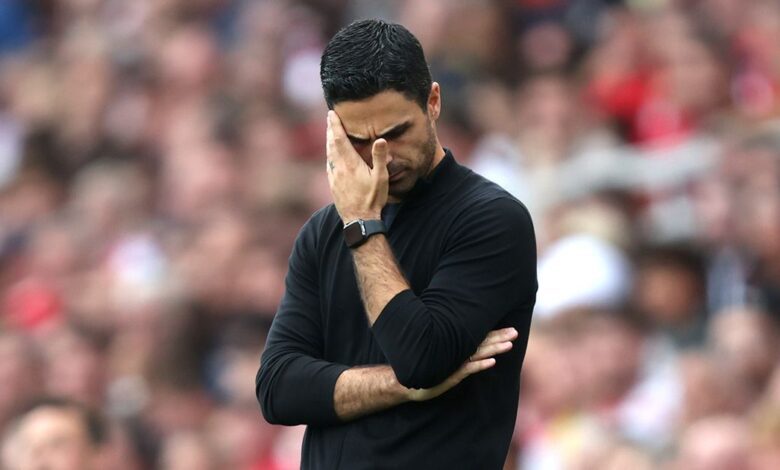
54 434
401 293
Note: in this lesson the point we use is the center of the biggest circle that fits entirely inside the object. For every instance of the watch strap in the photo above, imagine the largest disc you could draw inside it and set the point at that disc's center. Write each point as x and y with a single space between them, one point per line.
374 226
358 231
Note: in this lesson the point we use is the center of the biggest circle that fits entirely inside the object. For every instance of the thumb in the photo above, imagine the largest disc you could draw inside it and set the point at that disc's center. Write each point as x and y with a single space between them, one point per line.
379 156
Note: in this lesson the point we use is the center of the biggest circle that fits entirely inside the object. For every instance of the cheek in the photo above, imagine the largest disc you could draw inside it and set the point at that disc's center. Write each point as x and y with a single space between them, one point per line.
403 149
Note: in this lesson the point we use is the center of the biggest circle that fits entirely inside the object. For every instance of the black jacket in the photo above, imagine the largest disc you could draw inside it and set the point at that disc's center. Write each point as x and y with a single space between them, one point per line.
468 251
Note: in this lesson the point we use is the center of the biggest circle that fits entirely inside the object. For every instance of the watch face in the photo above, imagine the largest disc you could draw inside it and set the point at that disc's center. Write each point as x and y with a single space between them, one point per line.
354 233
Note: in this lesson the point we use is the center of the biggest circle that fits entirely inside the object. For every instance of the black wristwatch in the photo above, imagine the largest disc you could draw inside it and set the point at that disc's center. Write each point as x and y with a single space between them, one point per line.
357 232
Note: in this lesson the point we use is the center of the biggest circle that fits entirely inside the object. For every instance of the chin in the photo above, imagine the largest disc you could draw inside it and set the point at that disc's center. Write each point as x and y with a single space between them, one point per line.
400 189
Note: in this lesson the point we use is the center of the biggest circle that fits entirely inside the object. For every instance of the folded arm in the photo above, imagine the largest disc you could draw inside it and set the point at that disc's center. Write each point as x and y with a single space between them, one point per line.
365 390
294 386
487 271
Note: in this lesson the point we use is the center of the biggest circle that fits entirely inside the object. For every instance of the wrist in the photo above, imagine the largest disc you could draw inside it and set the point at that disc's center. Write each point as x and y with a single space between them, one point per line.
405 394
399 393
414 394
392 386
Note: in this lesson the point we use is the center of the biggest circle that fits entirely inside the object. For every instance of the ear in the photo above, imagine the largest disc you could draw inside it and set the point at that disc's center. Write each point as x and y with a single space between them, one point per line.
434 102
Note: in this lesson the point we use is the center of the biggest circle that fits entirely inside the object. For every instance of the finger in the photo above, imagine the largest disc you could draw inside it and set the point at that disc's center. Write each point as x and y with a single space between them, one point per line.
466 370
477 366
336 129
334 125
491 350
504 334
379 157
341 148
330 141
496 340
332 117
329 152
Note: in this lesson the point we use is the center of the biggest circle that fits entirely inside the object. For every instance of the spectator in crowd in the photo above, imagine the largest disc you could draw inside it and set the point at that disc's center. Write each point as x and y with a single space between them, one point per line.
55 434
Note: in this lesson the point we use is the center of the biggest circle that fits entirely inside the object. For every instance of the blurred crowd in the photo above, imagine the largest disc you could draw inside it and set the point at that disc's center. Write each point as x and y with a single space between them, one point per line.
157 158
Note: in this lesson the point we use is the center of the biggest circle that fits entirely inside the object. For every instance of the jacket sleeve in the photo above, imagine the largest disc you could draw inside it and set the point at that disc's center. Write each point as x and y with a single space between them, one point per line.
488 270
293 385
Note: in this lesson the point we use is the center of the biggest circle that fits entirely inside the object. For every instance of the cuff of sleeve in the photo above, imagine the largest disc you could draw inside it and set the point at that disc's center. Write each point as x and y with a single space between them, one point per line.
323 400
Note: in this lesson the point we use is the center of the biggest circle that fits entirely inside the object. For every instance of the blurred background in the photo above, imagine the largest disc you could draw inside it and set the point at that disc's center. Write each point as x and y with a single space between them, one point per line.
157 158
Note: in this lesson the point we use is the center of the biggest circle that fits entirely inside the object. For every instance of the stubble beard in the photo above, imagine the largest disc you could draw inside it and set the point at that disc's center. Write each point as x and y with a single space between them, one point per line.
427 151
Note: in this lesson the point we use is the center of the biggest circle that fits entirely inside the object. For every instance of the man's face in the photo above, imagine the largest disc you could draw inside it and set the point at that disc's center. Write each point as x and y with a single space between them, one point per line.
411 138
51 438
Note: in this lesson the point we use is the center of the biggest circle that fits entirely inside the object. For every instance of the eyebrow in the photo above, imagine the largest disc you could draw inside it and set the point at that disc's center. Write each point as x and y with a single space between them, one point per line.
394 131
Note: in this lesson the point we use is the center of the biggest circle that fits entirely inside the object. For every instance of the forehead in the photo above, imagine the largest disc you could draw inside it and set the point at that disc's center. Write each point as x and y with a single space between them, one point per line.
377 113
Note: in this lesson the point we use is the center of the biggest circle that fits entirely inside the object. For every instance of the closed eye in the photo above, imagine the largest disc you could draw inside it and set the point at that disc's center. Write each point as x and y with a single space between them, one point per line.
356 142
397 131
394 133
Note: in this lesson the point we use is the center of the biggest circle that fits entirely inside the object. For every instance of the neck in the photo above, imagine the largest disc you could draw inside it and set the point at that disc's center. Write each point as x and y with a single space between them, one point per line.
438 156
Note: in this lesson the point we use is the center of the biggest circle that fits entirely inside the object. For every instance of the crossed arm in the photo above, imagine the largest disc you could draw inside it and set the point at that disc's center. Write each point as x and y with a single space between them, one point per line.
360 391
295 386
364 390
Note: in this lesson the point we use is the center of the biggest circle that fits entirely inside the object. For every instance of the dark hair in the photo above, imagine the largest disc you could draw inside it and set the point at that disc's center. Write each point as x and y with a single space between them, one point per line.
93 422
371 56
